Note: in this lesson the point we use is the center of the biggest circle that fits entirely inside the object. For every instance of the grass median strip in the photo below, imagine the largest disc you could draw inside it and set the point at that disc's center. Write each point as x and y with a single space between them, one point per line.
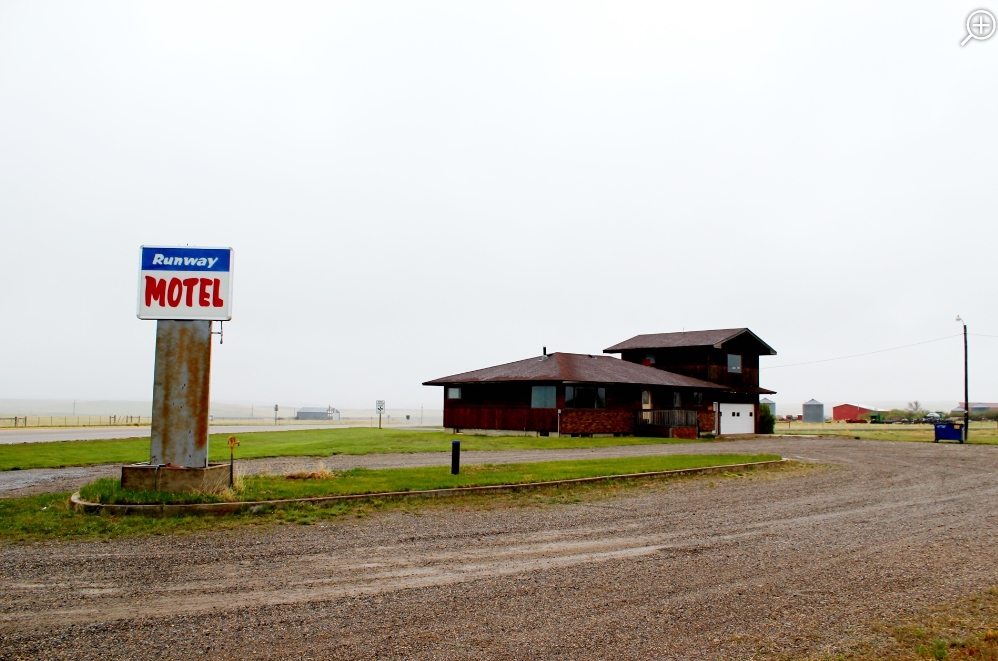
50 516
365 481
304 443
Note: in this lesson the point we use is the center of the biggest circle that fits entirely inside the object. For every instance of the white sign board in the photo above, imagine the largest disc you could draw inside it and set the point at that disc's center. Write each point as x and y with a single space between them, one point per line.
185 283
380 406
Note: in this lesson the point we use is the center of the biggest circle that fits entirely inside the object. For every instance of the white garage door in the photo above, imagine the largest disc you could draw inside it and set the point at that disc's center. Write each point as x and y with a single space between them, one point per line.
737 418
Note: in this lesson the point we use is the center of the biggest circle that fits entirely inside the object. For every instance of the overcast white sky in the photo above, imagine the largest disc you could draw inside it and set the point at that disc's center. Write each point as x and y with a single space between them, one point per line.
415 189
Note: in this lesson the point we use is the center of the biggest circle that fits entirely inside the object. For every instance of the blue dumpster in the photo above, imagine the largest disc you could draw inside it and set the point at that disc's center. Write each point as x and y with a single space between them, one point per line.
949 431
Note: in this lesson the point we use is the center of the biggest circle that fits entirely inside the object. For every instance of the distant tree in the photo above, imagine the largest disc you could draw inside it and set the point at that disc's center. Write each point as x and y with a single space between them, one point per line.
915 409
767 421
897 414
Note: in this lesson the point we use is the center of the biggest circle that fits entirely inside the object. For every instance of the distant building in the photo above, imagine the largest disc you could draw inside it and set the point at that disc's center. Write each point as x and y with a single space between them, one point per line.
854 412
977 407
814 411
317 413
770 403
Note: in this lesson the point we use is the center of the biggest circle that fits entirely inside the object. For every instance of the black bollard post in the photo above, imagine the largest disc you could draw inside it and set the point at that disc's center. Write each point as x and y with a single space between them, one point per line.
455 457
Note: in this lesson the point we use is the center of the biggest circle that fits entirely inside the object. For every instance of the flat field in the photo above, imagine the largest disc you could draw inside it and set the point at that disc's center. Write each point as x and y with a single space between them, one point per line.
981 433
306 443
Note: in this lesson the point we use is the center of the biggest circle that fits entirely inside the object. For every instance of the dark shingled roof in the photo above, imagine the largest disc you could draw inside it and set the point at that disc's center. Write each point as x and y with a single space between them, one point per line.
576 367
706 338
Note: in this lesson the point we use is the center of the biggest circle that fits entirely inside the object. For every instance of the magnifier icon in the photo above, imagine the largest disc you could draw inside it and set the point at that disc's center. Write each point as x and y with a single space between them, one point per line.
980 29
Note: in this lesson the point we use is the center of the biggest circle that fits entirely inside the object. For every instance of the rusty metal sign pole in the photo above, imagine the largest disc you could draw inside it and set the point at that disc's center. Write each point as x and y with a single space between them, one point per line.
180 394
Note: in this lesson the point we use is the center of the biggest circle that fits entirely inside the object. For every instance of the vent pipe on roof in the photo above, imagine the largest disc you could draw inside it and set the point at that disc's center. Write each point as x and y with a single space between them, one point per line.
545 351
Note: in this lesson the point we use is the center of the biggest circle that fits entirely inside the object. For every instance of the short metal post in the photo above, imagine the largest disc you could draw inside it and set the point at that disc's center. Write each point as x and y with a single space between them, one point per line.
455 457
232 449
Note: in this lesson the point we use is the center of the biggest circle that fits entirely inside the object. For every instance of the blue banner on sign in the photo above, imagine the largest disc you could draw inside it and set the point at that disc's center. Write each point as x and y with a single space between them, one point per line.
185 259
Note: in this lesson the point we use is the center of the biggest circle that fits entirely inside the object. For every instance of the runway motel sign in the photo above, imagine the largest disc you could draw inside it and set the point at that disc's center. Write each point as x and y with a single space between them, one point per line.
184 289
185 283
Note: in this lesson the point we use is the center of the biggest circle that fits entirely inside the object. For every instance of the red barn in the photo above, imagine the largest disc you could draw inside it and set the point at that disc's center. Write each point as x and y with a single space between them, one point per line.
851 412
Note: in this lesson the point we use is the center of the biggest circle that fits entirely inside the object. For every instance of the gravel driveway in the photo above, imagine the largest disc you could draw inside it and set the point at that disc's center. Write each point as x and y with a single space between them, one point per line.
790 563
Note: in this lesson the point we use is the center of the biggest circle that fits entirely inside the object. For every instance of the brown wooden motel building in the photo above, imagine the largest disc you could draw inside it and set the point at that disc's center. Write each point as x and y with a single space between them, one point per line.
666 384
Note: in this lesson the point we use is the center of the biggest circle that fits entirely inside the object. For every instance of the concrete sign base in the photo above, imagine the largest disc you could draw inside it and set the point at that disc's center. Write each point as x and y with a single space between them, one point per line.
180 394
143 477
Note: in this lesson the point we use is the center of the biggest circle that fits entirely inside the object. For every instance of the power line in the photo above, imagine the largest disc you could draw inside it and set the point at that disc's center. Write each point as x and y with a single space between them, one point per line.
868 353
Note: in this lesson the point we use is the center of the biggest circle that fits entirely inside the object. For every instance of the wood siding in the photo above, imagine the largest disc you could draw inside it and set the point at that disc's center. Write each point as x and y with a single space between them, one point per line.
507 406
516 419
706 363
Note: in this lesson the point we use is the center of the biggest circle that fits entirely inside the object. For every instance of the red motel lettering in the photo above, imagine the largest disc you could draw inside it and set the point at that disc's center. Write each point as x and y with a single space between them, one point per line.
159 291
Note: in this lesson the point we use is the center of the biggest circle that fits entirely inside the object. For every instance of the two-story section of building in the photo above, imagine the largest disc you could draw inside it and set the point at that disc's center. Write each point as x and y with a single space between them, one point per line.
728 358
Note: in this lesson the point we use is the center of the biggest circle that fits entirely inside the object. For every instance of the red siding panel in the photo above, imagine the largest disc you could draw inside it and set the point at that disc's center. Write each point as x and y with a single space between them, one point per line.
514 419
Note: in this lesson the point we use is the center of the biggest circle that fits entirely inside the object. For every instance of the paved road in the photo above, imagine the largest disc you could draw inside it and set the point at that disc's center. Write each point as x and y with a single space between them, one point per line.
53 434
793 562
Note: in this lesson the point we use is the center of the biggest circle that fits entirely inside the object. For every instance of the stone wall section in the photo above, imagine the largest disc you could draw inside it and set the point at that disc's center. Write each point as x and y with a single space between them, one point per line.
575 421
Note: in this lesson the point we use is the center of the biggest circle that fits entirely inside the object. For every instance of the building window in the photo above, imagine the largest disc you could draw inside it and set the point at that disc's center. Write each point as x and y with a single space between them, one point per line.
697 398
734 363
585 397
453 393
649 360
646 399
543 397
677 400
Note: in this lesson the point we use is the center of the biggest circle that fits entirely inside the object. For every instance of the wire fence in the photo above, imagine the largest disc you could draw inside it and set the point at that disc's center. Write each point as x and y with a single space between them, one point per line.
75 421
434 419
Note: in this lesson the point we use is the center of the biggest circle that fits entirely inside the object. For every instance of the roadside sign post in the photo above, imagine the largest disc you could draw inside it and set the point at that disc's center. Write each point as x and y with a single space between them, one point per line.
380 407
185 290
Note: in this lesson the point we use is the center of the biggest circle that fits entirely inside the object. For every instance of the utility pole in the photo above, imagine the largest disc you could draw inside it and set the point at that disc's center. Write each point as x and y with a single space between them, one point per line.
966 385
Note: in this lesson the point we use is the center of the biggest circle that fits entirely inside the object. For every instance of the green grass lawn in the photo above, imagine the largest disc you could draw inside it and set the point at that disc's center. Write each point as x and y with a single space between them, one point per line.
308 442
49 516
362 480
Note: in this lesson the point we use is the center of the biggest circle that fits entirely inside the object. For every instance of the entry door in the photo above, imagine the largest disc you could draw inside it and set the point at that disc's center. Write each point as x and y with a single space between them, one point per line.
737 418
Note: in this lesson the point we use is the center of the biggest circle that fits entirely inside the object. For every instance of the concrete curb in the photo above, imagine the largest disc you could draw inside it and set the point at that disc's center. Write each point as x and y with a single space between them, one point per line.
228 508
